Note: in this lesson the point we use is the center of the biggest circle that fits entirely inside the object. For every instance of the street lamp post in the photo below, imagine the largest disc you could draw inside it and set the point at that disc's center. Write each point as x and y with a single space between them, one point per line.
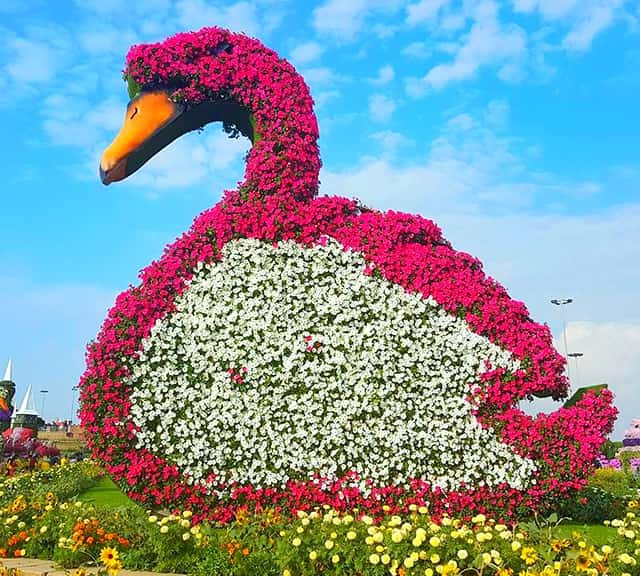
73 402
576 356
560 302
43 393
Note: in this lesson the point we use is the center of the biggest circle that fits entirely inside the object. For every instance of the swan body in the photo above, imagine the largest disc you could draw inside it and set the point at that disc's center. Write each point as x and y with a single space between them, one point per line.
295 350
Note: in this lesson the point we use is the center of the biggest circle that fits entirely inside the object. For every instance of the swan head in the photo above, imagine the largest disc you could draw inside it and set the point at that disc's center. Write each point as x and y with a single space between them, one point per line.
151 122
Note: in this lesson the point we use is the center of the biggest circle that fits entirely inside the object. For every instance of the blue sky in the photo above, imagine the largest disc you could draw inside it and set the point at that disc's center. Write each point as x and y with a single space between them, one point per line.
511 123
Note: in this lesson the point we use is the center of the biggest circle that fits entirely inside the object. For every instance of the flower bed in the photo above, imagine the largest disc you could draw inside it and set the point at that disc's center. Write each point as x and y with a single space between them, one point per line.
321 540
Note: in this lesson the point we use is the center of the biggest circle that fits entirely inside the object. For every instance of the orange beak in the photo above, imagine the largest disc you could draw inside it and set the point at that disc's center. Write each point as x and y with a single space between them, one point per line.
143 134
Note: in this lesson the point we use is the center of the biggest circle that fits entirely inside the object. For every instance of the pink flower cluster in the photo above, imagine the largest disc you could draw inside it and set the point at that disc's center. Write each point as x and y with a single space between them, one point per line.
277 201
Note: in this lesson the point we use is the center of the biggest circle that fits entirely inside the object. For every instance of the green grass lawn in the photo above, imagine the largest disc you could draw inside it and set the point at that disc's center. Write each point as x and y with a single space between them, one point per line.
597 534
106 494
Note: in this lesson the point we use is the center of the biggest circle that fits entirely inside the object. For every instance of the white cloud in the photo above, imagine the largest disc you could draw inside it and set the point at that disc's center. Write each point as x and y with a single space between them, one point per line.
424 10
240 16
488 43
462 122
417 50
611 355
34 58
391 142
106 39
344 19
70 122
550 9
594 20
306 52
381 108
585 18
192 159
320 76
497 113
385 75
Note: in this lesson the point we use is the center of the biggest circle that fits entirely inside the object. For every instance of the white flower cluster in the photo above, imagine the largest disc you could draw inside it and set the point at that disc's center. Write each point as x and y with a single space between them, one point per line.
282 362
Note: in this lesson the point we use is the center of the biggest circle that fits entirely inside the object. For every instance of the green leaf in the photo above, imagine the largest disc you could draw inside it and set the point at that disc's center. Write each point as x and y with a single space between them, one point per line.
133 87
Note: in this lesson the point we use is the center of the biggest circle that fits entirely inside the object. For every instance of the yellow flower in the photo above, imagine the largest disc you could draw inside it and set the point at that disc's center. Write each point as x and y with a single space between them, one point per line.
152 519
164 529
529 555
515 545
462 554
504 572
396 535
385 559
114 569
408 563
109 556
435 558
296 542
328 544
434 541
286 572
186 536
335 558
626 559
448 569
187 514
79 572
374 559
583 561
428 572
351 535
486 557
313 555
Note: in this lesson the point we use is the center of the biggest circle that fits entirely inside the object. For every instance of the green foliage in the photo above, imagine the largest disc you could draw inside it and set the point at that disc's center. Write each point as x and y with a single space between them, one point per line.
616 482
580 392
626 456
609 449
64 482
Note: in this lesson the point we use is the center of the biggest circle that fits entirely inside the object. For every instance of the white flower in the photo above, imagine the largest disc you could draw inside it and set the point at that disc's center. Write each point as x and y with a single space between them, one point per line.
282 362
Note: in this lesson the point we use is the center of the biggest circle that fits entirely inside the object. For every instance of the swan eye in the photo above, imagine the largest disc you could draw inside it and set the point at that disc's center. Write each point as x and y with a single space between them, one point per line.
135 111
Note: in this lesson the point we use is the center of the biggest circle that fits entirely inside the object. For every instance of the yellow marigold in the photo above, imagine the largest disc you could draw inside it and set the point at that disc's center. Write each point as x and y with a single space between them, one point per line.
351 535
335 558
313 555
529 555
374 559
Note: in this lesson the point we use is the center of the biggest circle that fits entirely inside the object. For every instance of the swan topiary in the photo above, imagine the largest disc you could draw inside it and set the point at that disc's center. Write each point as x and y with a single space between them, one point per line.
292 350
